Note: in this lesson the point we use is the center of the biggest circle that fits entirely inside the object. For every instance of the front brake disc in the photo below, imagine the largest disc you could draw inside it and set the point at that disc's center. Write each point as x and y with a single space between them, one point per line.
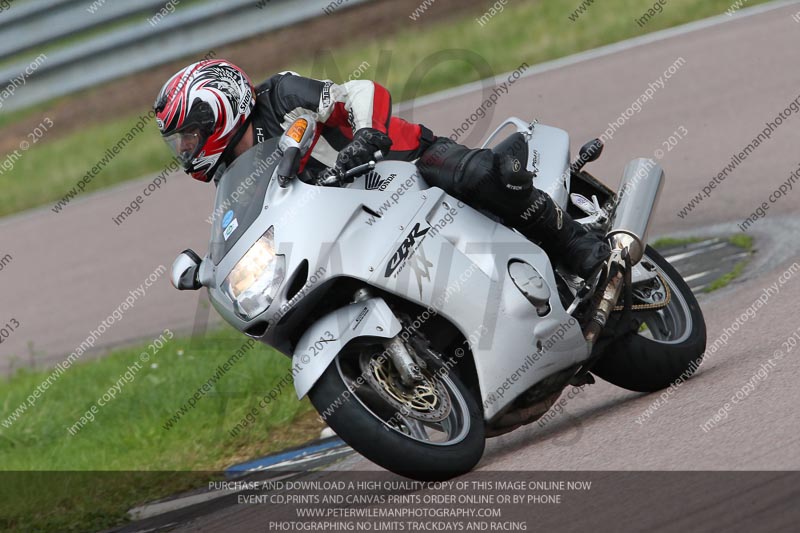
427 400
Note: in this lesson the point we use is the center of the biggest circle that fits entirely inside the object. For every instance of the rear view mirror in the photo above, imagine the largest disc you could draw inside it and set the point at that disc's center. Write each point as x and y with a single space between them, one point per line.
589 152
295 143
185 271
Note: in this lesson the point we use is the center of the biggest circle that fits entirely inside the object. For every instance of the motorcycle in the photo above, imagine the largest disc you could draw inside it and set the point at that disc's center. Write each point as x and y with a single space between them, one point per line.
420 326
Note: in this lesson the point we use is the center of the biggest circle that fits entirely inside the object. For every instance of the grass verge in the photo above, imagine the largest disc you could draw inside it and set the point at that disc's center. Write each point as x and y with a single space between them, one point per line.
745 242
126 453
672 242
46 172
529 32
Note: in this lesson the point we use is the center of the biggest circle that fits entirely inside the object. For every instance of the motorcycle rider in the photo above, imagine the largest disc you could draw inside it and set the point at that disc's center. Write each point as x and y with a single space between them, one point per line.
210 112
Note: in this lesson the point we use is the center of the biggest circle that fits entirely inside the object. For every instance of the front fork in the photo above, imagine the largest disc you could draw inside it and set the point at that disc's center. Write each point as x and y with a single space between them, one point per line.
408 369
410 372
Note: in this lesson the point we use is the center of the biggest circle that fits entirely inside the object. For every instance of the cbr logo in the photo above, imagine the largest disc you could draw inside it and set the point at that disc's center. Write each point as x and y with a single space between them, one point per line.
406 249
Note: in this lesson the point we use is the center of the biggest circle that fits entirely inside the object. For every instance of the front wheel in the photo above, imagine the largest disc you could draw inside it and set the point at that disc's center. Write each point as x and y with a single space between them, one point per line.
669 345
431 431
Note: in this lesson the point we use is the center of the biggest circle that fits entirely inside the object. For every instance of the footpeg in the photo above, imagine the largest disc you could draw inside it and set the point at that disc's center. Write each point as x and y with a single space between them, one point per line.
595 214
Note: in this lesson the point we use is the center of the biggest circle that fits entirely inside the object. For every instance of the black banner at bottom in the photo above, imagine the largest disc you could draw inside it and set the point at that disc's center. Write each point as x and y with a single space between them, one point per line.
334 502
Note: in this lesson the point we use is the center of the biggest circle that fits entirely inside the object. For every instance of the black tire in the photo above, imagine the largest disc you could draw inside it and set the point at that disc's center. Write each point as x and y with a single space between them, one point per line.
641 364
389 448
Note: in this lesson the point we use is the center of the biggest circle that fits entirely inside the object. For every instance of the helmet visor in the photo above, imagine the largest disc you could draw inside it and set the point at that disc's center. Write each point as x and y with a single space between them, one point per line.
186 144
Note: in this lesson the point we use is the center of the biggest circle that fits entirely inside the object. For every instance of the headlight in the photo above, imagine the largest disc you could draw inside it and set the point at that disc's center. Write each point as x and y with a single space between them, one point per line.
255 279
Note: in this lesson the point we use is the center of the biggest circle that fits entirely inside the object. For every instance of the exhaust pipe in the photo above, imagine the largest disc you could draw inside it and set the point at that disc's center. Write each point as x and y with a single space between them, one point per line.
638 196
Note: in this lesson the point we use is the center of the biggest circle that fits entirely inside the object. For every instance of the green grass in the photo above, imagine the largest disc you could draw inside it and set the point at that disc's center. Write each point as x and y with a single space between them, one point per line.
11 117
526 31
672 242
726 279
45 172
744 242
128 434
529 32
741 240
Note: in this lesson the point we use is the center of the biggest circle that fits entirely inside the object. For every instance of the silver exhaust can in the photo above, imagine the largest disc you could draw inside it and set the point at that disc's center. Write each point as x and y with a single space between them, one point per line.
637 198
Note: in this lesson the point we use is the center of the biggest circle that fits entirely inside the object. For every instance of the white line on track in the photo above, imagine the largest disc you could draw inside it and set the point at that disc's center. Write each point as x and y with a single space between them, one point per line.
686 255
693 277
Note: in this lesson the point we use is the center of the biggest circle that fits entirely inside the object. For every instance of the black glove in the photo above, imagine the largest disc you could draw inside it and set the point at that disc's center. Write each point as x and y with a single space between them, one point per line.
362 148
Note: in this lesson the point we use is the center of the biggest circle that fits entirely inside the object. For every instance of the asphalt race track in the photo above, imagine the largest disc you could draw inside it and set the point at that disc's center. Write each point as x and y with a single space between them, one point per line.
735 76
604 427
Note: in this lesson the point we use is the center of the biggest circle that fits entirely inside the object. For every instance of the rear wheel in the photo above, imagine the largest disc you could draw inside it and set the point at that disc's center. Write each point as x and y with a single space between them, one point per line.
668 347
430 431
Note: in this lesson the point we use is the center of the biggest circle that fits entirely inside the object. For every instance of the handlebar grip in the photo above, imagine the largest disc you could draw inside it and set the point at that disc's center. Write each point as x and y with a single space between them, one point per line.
330 176
357 171
334 176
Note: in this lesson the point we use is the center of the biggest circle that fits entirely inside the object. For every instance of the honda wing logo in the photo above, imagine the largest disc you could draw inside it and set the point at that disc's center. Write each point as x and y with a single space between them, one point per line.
375 181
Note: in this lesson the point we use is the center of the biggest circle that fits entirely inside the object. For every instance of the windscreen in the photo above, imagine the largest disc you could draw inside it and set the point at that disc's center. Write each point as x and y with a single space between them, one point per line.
240 196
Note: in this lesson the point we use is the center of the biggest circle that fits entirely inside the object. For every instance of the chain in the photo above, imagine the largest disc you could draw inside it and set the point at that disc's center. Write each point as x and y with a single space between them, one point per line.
650 307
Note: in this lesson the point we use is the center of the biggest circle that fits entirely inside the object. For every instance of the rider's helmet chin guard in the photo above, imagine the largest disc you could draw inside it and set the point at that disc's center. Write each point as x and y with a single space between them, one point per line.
202 112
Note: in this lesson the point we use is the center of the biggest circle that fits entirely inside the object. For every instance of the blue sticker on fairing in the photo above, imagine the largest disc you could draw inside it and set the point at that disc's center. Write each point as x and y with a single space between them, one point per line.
226 220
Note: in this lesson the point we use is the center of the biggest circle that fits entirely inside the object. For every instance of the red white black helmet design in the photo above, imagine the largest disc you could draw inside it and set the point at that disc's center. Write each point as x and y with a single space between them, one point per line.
201 111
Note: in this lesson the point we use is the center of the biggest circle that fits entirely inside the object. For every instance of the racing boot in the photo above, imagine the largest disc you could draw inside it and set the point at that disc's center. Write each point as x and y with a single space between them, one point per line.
580 251
546 224
500 185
